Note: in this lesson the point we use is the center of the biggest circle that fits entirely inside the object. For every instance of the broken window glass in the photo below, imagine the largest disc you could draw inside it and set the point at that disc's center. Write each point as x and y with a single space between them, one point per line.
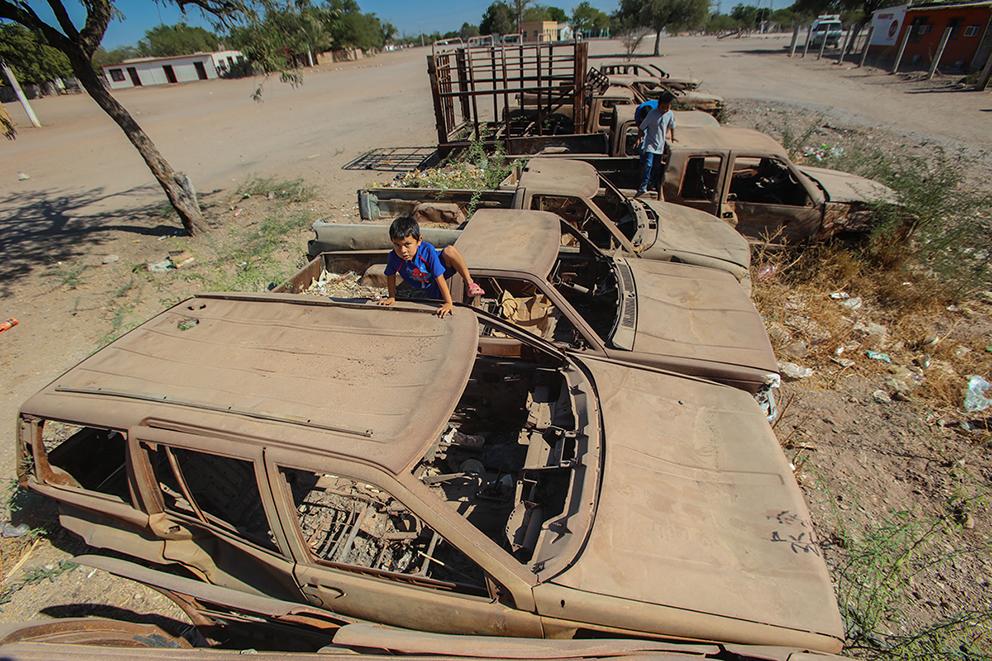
350 522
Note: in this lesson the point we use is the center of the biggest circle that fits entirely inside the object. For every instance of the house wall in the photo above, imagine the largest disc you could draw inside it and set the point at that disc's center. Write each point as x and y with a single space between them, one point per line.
152 72
927 25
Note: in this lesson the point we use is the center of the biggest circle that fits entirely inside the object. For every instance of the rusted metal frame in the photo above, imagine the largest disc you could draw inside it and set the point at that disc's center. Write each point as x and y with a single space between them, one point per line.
540 124
506 95
439 119
492 64
460 61
181 481
448 84
475 105
578 73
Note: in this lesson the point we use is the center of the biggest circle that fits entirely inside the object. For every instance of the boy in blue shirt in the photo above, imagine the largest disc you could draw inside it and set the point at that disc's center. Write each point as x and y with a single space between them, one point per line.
423 267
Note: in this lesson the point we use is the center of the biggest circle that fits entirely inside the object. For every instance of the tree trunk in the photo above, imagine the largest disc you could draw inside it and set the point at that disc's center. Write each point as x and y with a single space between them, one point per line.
176 185
657 43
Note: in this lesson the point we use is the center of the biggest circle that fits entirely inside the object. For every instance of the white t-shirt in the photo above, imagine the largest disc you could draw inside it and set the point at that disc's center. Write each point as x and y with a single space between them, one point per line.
655 127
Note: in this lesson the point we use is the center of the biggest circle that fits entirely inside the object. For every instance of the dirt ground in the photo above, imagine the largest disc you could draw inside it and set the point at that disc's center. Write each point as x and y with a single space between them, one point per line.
77 232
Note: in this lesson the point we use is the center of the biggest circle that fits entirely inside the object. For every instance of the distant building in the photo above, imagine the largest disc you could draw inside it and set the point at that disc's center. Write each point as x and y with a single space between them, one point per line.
142 71
539 31
968 46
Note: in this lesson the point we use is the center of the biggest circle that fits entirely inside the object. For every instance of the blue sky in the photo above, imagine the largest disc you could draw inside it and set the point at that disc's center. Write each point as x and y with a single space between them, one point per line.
409 16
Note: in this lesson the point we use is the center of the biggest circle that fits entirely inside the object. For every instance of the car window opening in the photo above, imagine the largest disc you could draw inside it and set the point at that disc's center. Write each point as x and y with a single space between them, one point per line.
701 177
218 491
506 460
523 304
766 181
589 283
579 216
88 458
349 522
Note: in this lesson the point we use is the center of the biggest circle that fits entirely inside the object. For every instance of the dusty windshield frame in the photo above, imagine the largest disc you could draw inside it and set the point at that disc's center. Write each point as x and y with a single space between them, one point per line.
574 421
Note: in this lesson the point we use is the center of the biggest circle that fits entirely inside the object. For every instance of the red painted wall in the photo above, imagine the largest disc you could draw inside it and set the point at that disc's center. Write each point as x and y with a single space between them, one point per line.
960 48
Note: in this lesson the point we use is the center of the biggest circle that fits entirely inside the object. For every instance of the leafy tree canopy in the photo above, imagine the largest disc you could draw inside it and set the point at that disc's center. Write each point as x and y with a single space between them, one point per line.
545 13
498 19
31 59
180 39
585 17
468 30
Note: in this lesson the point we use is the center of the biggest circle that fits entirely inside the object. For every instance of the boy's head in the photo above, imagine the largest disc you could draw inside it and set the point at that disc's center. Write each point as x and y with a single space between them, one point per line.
665 101
404 232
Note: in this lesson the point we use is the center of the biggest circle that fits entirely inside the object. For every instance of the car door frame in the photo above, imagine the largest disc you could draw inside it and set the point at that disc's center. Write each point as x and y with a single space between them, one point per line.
179 532
807 218
329 583
675 178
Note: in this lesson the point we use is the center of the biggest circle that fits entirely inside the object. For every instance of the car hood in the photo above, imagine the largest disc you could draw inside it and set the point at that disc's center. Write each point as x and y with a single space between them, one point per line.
699 313
847 187
696 237
699 517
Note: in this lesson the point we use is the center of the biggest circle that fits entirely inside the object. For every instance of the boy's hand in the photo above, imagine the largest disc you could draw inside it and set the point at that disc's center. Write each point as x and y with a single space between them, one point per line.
445 309
387 301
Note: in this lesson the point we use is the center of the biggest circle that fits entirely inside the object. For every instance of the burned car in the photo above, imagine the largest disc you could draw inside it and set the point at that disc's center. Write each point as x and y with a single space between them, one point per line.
386 465
649 71
544 276
747 178
572 189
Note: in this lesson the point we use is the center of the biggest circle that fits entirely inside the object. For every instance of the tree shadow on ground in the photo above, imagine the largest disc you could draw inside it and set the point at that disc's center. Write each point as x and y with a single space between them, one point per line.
41 227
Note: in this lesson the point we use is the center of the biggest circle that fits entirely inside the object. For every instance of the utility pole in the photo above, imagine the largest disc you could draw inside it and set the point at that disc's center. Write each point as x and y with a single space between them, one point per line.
28 110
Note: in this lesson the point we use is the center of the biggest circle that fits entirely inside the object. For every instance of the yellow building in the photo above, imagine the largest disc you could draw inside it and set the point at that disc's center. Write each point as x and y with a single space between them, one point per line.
539 30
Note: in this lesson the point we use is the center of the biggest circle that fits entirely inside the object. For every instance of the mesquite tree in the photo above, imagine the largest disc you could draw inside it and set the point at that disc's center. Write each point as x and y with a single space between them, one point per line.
79 45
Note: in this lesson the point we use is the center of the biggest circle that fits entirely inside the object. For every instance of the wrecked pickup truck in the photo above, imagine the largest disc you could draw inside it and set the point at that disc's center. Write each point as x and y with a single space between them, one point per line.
747 178
649 71
385 465
572 189
542 275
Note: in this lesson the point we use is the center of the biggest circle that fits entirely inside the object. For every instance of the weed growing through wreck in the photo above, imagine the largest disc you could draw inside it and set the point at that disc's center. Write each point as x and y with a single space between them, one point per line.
477 169
874 583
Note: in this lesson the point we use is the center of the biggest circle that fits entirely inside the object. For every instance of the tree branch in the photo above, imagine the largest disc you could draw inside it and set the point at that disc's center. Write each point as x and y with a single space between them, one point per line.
20 12
98 14
62 16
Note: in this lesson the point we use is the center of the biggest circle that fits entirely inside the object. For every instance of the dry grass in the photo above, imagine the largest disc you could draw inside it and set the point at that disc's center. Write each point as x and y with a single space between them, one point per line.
929 330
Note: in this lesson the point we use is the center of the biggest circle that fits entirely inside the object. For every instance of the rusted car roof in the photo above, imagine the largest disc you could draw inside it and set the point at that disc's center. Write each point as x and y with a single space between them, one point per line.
725 137
560 176
346 380
511 240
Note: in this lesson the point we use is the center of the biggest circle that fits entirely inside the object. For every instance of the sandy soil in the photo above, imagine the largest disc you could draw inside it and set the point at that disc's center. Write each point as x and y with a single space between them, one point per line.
90 196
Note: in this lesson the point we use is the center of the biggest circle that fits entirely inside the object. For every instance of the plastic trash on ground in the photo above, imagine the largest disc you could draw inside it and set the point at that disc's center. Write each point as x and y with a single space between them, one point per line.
976 397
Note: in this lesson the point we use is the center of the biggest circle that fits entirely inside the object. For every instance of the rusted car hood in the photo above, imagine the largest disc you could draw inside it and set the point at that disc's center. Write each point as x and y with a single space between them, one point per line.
847 187
696 237
699 514
696 312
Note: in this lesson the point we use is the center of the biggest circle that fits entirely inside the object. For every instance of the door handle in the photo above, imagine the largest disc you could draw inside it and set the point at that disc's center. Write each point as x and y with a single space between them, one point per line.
728 214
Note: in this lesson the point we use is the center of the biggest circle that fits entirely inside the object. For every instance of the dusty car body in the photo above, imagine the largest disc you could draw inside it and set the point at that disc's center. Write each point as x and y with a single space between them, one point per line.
98 639
747 177
283 447
649 71
650 87
545 277
572 189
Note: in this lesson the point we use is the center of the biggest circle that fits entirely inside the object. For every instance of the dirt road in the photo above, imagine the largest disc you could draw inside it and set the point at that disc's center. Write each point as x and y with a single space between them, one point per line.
89 195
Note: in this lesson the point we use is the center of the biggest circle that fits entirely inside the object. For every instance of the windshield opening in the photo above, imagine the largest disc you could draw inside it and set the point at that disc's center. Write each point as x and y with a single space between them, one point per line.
508 457
617 208
588 281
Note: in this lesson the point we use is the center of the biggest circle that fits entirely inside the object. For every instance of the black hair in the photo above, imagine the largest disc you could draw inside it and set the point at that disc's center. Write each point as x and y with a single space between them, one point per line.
666 97
403 227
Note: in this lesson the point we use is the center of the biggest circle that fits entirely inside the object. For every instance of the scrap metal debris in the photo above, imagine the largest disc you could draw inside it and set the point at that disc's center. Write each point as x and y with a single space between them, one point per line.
346 285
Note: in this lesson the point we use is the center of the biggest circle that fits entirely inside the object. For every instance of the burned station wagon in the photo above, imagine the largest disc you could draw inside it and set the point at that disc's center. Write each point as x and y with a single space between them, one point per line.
574 190
544 276
387 465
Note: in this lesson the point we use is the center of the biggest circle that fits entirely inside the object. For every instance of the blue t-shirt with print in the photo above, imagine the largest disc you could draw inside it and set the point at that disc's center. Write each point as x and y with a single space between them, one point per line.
420 272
